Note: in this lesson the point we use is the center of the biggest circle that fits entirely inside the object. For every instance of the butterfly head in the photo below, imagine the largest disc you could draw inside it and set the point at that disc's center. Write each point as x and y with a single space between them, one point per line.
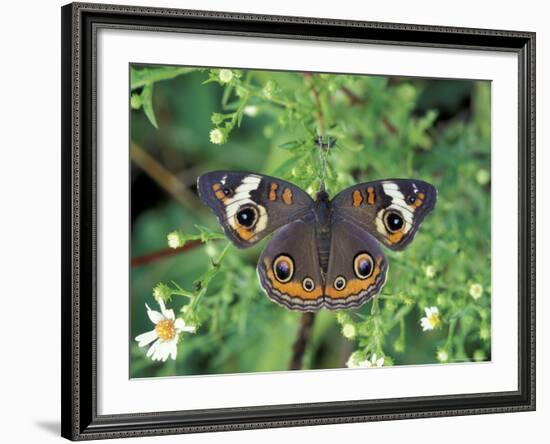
322 195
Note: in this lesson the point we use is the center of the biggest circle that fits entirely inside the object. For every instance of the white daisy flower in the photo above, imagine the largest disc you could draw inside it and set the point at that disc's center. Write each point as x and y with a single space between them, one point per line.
165 334
431 320
217 136
476 290
374 361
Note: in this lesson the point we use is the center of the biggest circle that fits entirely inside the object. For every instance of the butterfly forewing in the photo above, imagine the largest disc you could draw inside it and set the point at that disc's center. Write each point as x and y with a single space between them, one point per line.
250 206
391 210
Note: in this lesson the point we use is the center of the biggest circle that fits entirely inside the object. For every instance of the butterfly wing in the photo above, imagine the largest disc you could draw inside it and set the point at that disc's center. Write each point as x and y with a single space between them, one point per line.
289 270
391 210
250 206
357 267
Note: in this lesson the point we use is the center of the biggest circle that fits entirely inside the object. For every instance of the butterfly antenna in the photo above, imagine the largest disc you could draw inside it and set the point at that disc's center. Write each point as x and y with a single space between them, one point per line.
322 164
323 150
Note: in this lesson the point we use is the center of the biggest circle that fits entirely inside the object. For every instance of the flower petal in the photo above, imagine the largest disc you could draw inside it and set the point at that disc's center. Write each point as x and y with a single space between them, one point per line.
155 316
366 364
180 326
351 362
167 313
425 323
162 352
157 351
172 348
146 338
152 350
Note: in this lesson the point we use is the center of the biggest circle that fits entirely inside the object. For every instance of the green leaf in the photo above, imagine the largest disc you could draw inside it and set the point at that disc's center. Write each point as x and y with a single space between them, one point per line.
239 118
146 76
207 234
291 145
147 102
226 94
286 166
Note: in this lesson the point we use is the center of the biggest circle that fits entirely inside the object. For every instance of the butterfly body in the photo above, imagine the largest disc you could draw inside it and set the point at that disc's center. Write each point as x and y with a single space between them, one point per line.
323 222
324 252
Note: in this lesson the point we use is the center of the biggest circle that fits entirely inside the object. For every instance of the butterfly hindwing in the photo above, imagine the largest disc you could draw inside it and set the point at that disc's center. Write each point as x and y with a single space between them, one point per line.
391 210
289 270
250 206
357 266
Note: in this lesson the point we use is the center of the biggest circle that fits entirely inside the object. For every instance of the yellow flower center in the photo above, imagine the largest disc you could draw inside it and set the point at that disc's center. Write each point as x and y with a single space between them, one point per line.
433 319
165 329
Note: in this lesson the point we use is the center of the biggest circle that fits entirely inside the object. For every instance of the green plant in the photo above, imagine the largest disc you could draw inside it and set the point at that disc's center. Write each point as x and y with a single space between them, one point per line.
267 121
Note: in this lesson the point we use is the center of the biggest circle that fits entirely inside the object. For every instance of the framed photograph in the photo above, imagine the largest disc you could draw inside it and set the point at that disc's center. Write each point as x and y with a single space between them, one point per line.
279 221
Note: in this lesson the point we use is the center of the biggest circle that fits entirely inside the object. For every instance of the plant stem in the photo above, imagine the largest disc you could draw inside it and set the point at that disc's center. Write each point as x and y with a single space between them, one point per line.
449 342
207 277
301 341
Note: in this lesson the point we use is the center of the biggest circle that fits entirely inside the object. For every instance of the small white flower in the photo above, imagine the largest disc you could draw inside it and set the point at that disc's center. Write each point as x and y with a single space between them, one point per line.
430 271
175 240
216 136
349 331
476 290
164 337
442 355
268 90
226 75
353 361
431 320
483 177
251 110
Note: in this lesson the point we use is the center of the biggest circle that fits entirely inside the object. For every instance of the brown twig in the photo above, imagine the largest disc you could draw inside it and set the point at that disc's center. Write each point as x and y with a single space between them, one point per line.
300 343
165 252
164 178
353 98
317 98
389 126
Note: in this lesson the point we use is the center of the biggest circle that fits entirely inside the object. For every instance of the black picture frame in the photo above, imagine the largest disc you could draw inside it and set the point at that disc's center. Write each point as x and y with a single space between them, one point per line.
79 209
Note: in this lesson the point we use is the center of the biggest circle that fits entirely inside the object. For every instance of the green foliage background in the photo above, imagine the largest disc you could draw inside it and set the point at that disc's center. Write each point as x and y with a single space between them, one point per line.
434 130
